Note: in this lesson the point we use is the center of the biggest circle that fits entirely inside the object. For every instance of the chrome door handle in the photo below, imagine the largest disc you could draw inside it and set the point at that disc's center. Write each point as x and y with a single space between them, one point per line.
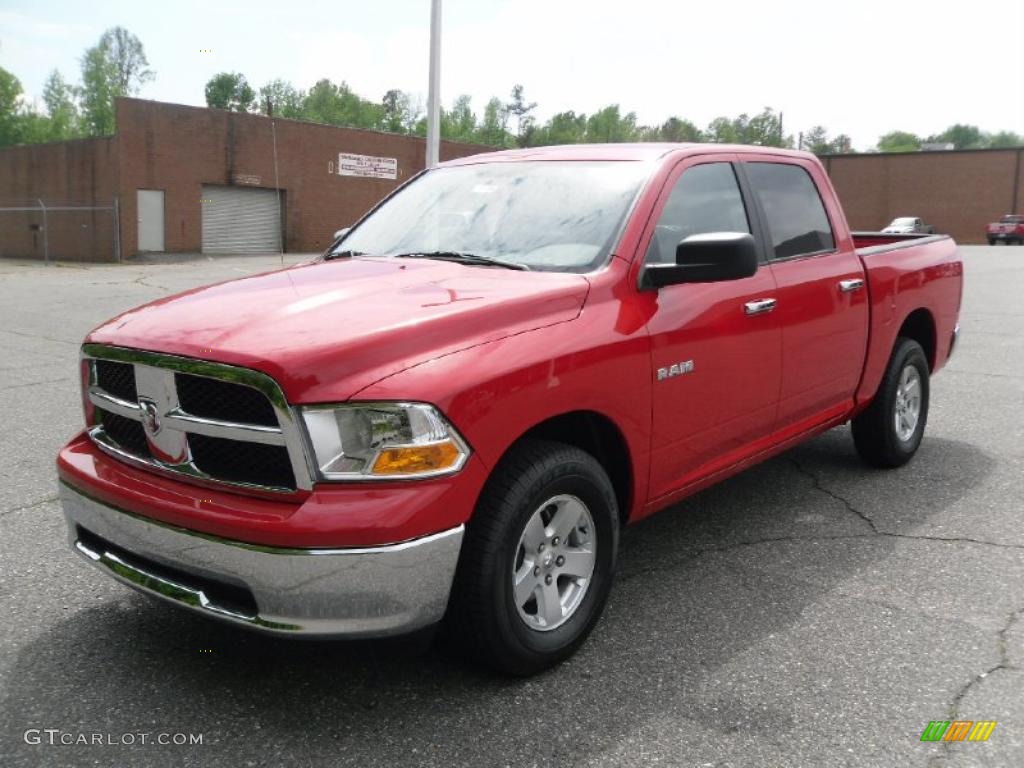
759 306
849 286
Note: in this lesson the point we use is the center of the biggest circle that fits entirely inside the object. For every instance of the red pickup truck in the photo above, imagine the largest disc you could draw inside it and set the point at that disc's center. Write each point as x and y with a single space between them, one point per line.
1009 229
452 412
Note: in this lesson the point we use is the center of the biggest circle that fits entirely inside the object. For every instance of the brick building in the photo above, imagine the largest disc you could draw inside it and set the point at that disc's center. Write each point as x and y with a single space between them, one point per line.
188 179
958 192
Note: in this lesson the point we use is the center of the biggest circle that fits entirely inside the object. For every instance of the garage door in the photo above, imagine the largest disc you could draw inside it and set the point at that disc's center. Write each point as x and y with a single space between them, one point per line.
240 220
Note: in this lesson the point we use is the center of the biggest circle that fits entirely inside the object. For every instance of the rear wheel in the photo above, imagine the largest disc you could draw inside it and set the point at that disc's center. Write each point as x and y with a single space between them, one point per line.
889 432
537 559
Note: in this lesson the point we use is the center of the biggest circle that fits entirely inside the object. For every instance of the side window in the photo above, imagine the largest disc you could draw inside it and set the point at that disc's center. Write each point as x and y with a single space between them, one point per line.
706 198
796 218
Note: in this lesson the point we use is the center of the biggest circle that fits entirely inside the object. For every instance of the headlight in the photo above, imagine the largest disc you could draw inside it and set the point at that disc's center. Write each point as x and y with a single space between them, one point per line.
365 441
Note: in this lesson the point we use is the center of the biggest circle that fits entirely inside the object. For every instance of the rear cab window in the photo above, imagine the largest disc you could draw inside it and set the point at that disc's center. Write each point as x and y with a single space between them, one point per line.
794 213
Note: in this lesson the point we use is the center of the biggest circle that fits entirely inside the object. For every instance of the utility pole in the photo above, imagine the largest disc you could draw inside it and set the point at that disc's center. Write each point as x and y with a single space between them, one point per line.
434 91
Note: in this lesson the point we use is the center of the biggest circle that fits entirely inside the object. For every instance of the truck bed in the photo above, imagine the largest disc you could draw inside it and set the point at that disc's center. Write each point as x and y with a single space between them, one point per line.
911 278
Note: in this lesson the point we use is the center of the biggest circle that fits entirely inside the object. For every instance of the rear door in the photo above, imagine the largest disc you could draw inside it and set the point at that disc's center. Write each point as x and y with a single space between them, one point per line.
821 289
716 361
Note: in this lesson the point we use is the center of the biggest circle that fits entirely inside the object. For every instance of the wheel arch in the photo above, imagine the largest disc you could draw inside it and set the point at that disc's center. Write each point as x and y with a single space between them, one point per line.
602 438
919 325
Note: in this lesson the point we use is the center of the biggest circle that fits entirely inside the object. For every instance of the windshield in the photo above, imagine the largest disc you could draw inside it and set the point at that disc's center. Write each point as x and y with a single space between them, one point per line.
896 222
1011 219
546 215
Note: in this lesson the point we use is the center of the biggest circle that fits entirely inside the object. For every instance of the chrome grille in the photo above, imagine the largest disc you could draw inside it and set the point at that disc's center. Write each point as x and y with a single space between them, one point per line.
208 423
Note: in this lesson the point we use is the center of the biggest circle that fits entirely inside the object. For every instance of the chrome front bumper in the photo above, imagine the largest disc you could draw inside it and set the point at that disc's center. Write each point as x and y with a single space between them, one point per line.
357 592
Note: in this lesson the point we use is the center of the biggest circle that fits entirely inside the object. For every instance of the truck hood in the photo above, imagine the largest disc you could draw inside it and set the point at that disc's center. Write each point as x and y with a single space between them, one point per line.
326 330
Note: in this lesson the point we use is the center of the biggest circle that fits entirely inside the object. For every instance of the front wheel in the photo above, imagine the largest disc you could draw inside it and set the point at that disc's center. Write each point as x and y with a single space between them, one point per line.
888 433
537 559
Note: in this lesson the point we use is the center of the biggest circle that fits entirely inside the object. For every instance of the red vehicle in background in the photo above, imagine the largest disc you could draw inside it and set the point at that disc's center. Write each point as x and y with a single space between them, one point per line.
1009 230
451 414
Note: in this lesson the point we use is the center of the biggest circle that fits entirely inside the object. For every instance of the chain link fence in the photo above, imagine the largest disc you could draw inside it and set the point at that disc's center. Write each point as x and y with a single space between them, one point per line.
56 230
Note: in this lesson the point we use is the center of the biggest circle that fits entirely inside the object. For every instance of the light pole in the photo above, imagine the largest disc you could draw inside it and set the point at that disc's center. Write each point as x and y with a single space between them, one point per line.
434 91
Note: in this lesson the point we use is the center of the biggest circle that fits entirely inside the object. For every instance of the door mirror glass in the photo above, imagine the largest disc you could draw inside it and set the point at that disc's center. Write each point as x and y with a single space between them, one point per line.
706 258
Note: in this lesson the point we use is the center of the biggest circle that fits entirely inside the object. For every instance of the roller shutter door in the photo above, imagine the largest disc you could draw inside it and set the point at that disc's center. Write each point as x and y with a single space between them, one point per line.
240 220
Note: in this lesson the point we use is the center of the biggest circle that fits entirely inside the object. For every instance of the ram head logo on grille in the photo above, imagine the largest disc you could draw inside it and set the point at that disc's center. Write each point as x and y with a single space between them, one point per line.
150 416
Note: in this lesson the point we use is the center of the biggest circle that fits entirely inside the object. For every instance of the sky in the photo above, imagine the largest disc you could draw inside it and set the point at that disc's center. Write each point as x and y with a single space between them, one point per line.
858 67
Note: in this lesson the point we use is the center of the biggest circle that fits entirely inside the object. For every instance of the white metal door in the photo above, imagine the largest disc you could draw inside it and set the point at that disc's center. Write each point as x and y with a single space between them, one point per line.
240 220
150 204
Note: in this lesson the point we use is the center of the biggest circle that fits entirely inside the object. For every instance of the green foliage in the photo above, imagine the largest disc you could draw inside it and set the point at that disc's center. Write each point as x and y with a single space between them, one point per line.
520 110
817 140
336 104
677 129
10 107
763 129
63 118
961 137
116 66
230 91
459 123
610 125
1005 139
493 129
279 98
899 141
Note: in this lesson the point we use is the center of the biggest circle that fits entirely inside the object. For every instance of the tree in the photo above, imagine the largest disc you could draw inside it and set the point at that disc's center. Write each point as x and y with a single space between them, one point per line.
231 91
563 128
519 109
334 104
763 129
59 98
395 111
493 131
899 141
10 107
816 140
279 97
961 137
676 129
116 66
459 124
610 125
1005 139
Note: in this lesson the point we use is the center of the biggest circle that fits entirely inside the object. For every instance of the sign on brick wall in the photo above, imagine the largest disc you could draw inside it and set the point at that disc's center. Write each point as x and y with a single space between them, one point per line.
367 165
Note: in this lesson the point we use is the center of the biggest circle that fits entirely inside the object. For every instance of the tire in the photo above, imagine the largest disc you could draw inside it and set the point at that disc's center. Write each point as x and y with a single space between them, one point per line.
991 241
537 478
879 441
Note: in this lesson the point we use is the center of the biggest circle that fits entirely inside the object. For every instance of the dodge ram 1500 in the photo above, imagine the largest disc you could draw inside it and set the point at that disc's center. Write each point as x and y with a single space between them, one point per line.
450 415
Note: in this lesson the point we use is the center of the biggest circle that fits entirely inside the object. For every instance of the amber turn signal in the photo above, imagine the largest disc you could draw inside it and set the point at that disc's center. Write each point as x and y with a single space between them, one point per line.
417 459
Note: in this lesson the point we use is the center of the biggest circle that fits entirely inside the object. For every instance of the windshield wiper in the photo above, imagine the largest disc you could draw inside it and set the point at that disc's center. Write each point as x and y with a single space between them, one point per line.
463 258
343 255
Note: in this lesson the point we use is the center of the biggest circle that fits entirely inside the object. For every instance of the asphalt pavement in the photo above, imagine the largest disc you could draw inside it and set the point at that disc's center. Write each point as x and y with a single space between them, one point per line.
808 612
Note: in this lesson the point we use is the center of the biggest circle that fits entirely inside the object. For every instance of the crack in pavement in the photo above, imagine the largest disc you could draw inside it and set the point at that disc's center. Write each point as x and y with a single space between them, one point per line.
38 337
34 383
816 481
954 707
1004 663
30 505
141 280
672 562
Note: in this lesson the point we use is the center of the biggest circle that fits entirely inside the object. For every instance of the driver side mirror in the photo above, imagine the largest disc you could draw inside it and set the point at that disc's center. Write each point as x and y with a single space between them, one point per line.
706 258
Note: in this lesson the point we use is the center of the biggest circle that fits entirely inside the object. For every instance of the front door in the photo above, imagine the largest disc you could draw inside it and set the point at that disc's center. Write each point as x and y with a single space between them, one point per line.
715 347
150 203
